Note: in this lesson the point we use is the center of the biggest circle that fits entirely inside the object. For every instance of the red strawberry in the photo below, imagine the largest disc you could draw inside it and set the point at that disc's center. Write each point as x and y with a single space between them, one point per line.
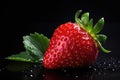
75 44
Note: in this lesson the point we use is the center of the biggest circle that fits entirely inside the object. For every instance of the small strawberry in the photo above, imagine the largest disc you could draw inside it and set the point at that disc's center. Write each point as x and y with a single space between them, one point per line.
75 44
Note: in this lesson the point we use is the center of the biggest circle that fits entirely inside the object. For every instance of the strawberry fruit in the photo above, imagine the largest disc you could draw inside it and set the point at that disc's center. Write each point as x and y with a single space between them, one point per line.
74 45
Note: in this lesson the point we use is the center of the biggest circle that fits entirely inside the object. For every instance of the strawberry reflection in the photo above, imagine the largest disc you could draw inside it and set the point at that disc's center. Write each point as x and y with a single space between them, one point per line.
68 74
40 73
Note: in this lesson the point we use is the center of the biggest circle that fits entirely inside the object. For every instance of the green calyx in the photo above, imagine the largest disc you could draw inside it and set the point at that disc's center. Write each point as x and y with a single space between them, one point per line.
87 24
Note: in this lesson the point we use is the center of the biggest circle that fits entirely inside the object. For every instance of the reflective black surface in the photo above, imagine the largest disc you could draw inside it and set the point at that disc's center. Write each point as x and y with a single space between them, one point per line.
20 18
105 68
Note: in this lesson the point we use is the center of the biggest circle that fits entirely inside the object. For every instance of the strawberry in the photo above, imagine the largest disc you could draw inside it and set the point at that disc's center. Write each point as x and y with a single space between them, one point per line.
75 44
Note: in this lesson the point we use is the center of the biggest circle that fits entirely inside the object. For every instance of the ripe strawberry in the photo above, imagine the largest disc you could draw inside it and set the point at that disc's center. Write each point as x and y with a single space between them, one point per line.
75 44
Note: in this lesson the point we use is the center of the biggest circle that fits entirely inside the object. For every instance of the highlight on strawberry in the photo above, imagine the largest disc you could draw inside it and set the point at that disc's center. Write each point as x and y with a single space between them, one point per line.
72 45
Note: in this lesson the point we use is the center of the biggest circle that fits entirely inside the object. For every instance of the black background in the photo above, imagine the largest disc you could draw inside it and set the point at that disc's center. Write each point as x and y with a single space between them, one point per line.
19 18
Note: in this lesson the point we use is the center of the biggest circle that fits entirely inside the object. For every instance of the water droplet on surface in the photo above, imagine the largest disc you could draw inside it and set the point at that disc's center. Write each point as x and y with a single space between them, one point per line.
90 67
31 70
94 69
113 63
76 76
35 66
113 69
105 68
64 70
109 65
31 75
104 63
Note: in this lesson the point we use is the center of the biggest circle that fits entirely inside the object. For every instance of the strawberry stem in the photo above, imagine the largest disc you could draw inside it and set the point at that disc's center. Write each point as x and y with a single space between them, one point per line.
87 25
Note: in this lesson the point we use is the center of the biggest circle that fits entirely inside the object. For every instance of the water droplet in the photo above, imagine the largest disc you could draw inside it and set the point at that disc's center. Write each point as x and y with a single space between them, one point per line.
25 75
90 67
104 63
31 70
109 65
35 66
113 69
113 63
43 75
31 75
65 70
76 76
94 69
105 68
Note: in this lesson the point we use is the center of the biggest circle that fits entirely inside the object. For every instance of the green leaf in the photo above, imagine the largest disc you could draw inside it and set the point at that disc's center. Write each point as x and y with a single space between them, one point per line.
90 25
36 44
98 26
22 56
102 38
85 19
77 15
